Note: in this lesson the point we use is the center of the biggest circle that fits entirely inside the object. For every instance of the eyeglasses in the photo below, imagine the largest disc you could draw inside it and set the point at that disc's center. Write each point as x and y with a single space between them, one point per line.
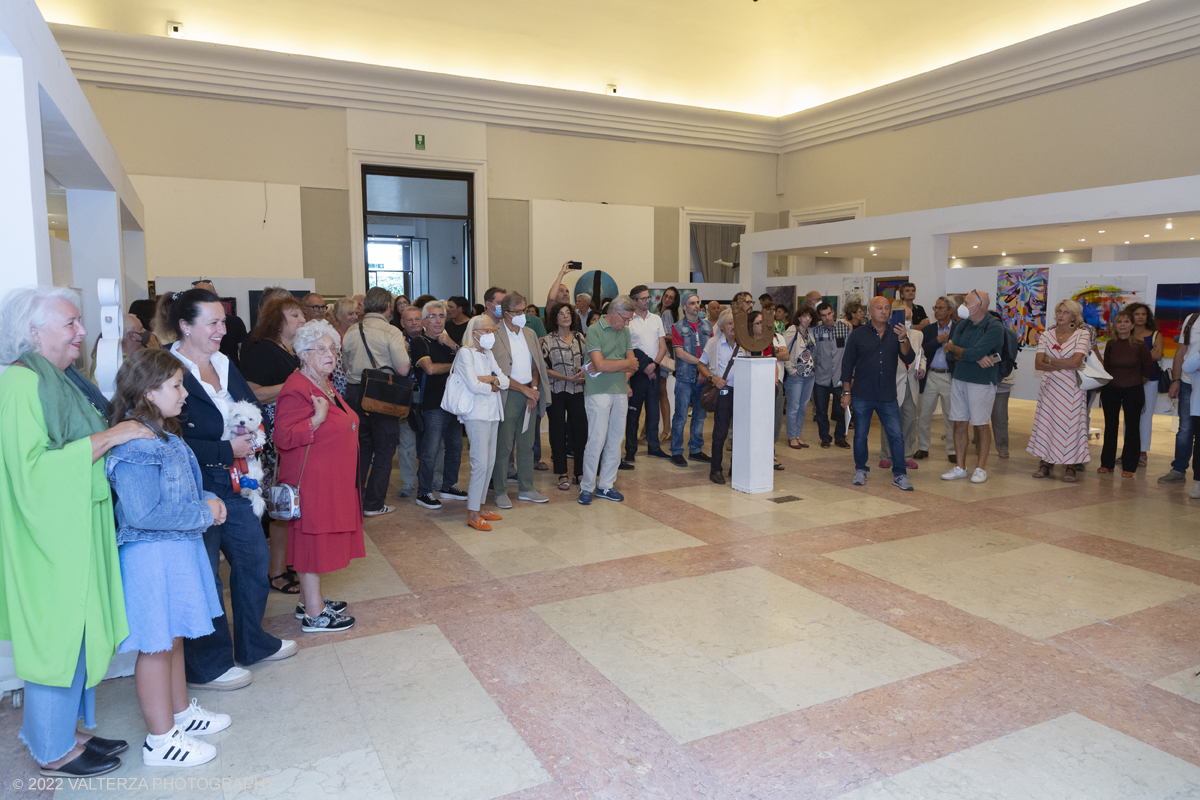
320 350
319 308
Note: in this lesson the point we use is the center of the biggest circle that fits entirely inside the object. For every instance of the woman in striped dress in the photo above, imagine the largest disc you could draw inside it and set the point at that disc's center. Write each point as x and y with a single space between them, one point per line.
1060 426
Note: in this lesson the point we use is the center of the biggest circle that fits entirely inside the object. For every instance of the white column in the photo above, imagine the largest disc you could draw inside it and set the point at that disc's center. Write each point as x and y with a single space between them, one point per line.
752 469
94 221
928 255
24 229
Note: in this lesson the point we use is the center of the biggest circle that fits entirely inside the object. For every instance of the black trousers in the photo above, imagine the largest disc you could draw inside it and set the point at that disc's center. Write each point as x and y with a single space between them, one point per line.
568 422
722 419
1114 400
378 438
645 392
821 396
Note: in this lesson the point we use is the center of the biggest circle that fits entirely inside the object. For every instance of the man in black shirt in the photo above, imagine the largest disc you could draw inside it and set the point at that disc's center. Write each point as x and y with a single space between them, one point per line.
869 367
433 352
907 298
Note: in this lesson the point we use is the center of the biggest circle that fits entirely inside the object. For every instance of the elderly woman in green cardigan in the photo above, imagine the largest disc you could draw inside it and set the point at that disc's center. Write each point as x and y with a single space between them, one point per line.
61 602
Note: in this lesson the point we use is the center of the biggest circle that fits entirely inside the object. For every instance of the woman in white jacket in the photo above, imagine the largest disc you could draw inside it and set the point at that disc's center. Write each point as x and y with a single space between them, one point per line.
483 378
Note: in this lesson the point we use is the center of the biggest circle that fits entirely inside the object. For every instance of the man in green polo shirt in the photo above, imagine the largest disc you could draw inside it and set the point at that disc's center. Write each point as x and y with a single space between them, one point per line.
606 391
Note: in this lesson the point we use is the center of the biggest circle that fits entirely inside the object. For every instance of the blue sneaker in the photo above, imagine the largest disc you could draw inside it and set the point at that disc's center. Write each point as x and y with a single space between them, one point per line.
585 498
610 494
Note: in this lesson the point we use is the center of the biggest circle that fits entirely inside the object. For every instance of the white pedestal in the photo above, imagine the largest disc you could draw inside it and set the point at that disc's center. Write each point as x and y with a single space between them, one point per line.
752 469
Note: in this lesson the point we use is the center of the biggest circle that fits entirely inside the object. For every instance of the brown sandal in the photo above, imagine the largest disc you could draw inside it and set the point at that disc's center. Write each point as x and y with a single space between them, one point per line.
1043 471
794 443
1069 475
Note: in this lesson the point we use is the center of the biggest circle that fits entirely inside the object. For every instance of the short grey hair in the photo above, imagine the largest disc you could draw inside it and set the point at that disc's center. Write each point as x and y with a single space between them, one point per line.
311 332
583 296
513 302
725 316
468 339
432 304
622 303
26 308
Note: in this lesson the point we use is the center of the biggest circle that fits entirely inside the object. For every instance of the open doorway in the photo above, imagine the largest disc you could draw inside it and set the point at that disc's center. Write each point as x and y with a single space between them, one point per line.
418 231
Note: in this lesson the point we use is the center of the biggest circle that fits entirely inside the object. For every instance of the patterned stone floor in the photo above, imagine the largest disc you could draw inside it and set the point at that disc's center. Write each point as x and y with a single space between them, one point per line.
1015 639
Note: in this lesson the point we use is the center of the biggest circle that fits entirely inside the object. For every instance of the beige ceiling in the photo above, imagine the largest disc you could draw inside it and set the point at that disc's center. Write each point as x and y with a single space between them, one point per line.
771 57
1076 236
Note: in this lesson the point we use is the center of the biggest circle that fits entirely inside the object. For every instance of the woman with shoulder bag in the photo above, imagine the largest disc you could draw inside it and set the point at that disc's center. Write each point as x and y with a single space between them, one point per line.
715 367
316 433
476 367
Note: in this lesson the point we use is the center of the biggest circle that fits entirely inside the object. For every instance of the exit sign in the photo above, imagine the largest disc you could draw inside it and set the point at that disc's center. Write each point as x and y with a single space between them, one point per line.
420 139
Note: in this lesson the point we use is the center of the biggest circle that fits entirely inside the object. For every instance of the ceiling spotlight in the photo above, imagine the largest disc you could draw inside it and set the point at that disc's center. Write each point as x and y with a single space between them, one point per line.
975 246
1169 226
1145 236
1061 250
1083 240
1003 253
826 252
872 248
1099 231
1127 243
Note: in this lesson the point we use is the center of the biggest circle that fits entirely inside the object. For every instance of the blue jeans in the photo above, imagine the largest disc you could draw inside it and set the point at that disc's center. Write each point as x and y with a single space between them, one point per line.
687 394
441 427
797 390
52 712
889 417
1183 439
241 540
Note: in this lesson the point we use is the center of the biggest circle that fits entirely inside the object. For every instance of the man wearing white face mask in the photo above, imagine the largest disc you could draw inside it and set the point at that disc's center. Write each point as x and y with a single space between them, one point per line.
519 356
975 346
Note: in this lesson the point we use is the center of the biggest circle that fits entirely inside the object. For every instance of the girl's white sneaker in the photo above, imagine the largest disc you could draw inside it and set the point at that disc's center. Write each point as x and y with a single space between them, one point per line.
195 721
176 749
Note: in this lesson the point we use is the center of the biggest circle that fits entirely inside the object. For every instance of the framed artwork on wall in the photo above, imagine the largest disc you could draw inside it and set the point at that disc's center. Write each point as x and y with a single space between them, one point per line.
1021 301
889 287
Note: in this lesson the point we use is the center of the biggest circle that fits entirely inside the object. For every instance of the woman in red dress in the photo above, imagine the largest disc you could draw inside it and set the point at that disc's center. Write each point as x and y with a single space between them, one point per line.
316 434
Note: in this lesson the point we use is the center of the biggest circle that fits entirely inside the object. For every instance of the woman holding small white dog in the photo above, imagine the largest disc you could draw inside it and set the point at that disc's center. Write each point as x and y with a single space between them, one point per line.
197 318
484 379
316 434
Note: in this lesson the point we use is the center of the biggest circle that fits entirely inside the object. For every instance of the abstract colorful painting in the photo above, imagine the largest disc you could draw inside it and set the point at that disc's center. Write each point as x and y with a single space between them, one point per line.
1172 305
1103 297
888 287
1021 301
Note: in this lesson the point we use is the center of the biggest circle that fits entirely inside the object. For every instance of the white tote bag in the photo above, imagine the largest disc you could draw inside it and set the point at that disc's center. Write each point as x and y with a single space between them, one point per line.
1093 375
457 399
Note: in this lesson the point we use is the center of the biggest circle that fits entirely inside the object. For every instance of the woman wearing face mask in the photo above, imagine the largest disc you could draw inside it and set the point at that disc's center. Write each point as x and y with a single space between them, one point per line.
483 377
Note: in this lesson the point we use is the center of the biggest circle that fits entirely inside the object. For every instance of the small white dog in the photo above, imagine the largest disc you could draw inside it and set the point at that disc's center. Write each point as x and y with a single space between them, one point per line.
245 417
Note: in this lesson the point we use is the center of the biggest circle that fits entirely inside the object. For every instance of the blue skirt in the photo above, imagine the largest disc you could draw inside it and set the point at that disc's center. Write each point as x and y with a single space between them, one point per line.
169 592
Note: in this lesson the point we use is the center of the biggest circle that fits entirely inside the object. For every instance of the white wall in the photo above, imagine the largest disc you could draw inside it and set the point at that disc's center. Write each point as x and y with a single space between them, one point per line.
216 228
616 239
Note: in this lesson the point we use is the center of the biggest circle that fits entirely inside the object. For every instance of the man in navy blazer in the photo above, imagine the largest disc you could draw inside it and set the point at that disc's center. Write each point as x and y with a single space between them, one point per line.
936 383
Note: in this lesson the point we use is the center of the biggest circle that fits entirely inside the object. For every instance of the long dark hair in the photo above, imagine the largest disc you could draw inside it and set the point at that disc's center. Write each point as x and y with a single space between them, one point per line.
1133 308
144 371
674 307
552 317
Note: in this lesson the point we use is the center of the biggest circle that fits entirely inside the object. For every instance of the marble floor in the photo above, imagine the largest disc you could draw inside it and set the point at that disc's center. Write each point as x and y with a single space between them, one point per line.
1014 639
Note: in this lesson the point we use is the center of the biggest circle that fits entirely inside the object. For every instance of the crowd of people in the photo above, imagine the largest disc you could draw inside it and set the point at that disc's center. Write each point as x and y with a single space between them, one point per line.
131 562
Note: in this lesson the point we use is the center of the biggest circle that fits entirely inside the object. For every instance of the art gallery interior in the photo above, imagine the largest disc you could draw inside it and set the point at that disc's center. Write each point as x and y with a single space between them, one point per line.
1017 638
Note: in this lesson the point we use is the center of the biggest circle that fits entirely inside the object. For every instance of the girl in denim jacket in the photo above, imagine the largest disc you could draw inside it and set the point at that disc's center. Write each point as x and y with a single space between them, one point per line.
162 514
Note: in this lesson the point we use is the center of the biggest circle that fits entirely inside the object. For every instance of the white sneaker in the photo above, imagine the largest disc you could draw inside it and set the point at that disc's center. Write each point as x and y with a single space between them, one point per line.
956 474
1195 492
232 678
287 649
195 721
176 749
978 476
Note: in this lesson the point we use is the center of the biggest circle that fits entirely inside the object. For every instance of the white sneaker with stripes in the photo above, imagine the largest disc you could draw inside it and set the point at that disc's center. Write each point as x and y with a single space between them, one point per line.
176 749
195 721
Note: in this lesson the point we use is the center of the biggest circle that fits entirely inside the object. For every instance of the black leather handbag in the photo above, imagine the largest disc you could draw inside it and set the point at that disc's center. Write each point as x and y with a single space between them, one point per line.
710 393
383 391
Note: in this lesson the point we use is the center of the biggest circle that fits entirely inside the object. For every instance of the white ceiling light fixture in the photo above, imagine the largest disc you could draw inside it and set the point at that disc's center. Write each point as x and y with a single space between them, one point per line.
1003 253
1170 226
1061 250
1127 243
1145 236
872 248
1099 231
